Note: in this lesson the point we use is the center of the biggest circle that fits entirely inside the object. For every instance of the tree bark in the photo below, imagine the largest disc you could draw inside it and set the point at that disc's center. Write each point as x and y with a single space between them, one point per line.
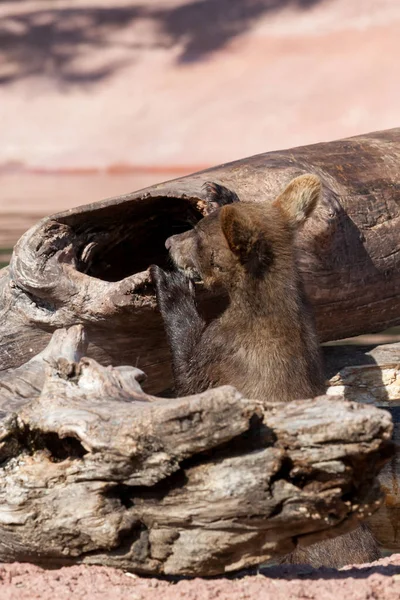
89 265
371 375
96 471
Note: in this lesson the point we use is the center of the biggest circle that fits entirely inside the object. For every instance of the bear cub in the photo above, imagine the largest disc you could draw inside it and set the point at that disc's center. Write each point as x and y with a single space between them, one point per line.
265 342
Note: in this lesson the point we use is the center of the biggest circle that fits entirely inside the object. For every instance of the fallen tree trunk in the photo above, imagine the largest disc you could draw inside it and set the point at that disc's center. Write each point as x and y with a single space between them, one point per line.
89 265
94 470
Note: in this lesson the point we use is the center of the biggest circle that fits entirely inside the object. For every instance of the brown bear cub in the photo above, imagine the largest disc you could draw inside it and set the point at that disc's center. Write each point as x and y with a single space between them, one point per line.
265 342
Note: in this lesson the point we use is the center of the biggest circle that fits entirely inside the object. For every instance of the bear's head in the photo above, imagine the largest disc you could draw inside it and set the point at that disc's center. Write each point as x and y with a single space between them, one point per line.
242 241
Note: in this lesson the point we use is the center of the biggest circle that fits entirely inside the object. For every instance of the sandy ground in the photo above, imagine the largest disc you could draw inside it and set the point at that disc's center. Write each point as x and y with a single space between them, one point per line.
378 581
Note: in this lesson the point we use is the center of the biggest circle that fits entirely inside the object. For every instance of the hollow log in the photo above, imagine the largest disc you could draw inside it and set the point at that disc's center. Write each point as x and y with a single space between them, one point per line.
90 265
94 470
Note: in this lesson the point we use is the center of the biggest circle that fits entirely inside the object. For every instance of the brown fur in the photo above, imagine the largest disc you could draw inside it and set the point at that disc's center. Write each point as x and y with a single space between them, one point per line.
265 343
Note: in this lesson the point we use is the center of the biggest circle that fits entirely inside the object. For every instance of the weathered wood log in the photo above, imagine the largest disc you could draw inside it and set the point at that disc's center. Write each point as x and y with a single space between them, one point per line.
371 375
367 374
94 470
89 265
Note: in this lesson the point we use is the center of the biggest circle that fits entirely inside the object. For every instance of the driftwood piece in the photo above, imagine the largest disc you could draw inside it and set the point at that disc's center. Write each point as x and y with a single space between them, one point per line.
94 470
371 375
89 265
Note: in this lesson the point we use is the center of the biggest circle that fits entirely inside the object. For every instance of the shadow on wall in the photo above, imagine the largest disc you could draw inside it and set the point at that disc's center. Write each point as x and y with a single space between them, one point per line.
52 42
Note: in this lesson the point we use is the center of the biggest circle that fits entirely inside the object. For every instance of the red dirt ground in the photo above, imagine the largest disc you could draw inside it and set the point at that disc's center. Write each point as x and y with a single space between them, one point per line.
378 581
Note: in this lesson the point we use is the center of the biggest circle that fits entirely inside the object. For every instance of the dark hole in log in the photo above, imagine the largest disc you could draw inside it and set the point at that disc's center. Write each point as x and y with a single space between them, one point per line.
122 493
59 448
120 240
63 448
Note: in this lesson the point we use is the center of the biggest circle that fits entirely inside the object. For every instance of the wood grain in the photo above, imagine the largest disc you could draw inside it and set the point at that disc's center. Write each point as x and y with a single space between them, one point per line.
94 470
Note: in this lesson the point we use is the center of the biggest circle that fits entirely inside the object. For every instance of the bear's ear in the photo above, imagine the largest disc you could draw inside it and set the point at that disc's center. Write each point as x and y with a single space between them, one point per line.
217 195
299 198
245 239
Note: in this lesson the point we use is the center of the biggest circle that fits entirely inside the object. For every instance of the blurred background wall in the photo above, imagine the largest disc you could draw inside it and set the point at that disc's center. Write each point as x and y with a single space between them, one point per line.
100 98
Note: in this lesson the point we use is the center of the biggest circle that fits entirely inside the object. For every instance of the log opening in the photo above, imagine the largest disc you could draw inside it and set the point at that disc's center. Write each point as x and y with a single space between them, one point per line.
111 242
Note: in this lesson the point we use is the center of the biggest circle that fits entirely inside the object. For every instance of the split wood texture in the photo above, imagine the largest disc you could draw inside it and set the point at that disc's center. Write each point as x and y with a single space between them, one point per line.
89 265
371 375
94 470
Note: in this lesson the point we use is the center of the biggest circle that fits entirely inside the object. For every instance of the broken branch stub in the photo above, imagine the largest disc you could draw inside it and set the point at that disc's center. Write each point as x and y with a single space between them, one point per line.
90 265
94 470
